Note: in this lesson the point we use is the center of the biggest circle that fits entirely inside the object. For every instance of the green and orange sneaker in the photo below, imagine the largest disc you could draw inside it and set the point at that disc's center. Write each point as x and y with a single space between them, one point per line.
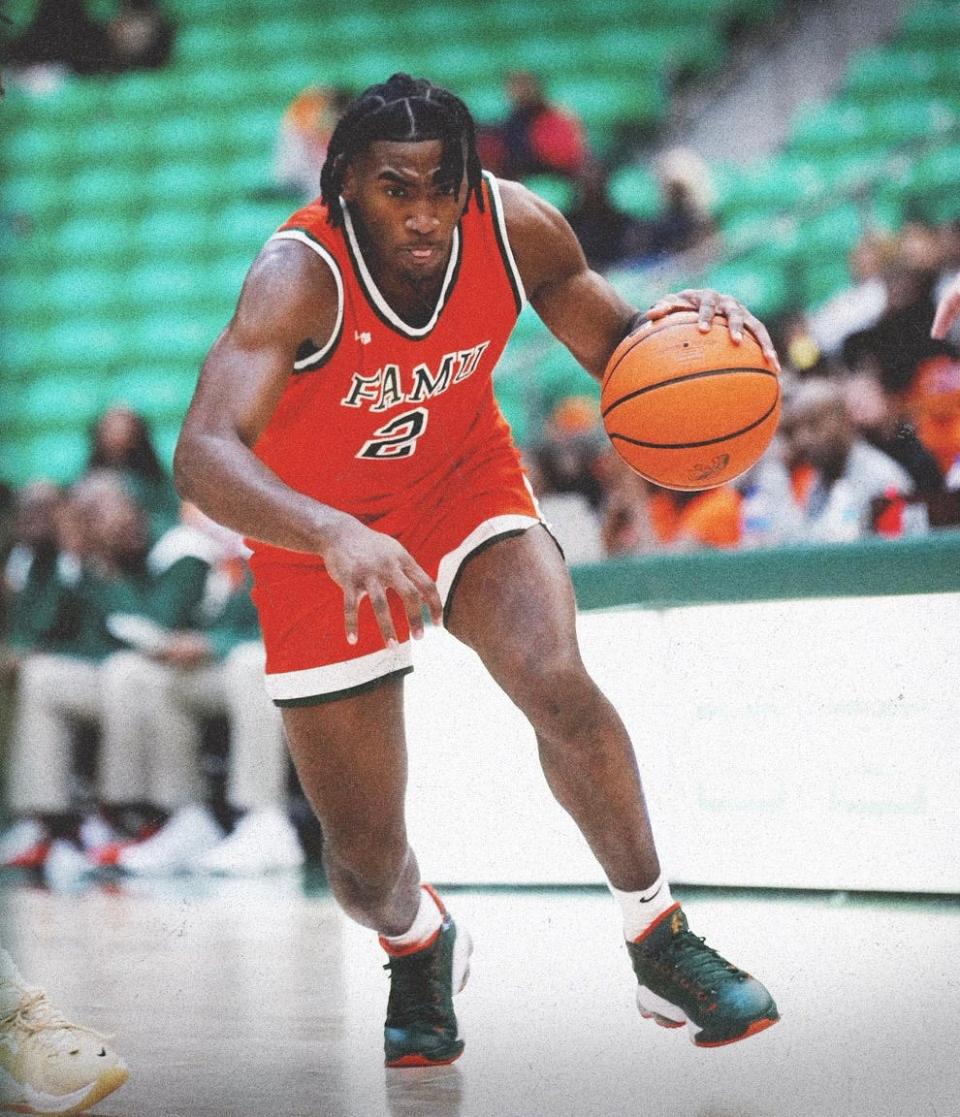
684 981
421 1026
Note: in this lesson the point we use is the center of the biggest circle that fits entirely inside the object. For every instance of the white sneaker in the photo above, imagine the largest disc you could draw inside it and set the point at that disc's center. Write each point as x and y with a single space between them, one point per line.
21 838
66 867
189 832
50 1066
264 841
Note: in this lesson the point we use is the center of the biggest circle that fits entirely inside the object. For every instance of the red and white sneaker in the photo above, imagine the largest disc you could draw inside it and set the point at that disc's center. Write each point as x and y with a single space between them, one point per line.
24 845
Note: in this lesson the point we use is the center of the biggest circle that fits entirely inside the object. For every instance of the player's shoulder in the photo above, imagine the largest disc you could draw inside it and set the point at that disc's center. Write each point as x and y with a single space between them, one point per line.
525 212
543 244
293 270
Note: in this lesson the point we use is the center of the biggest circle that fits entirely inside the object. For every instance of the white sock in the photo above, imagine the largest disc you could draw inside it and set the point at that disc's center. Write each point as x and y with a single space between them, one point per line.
425 925
12 985
641 909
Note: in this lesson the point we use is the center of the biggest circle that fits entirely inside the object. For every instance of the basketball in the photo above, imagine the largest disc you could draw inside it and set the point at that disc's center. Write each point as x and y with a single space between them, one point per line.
686 409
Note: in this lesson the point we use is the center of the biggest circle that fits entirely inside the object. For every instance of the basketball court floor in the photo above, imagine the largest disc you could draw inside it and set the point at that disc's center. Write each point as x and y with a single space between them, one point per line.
258 999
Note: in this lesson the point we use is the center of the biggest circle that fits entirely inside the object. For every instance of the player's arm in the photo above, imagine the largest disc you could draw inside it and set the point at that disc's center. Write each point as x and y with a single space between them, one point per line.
579 306
288 295
948 310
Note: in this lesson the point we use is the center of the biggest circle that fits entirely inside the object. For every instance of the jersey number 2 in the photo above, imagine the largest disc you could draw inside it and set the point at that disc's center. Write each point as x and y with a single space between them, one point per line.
398 438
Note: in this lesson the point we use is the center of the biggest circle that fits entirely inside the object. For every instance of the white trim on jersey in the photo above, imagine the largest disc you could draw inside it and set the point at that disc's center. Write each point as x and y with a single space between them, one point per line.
314 682
497 525
502 225
304 238
373 291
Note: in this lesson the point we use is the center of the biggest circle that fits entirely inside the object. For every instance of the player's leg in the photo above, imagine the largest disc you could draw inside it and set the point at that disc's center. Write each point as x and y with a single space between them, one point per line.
350 755
513 604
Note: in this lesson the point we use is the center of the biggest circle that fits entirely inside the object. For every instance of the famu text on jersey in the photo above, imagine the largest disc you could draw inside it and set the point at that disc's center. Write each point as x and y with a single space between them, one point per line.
390 386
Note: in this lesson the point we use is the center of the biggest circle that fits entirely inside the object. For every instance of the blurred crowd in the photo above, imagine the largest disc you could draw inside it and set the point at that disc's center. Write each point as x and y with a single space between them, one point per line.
129 644
63 38
869 441
537 137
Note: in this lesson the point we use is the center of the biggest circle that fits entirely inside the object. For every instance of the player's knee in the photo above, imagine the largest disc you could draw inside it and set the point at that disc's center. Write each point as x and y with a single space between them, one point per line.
558 696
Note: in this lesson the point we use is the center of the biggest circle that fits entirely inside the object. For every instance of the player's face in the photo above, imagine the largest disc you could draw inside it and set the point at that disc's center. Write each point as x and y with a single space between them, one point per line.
405 211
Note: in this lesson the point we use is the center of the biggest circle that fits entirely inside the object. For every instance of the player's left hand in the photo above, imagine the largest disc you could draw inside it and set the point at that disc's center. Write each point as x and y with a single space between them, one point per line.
710 304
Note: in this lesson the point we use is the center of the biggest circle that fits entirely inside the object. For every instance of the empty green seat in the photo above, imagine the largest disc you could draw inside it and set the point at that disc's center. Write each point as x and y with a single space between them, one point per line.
160 392
189 183
555 189
762 286
174 233
186 134
635 190
35 146
104 241
58 456
96 189
827 128
59 400
901 120
881 73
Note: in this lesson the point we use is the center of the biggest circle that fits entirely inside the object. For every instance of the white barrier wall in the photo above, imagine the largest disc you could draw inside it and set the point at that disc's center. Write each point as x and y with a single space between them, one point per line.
805 744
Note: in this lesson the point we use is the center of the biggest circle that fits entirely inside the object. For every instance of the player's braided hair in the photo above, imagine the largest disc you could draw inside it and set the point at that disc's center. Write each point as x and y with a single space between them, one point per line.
404 109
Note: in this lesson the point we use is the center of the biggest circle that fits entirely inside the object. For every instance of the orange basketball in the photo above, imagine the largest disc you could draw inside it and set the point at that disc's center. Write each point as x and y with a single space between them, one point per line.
689 410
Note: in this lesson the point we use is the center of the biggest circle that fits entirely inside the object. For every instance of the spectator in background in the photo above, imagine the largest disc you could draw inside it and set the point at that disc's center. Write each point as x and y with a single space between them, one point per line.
60 685
121 442
879 416
900 339
640 517
849 475
305 132
214 668
684 223
933 402
139 37
606 234
565 469
35 577
858 307
537 137
61 37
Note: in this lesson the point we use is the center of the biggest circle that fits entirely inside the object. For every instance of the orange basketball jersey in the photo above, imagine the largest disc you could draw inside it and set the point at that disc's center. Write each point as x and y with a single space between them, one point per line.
382 413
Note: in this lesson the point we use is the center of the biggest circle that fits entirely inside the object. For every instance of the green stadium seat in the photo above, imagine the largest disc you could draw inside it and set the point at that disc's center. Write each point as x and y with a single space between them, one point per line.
41 194
89 342
99 189
762 286
141 96
930 25
185 135
105 241
169 337
829 128
635 190
158 391
831 234
189 183
169 233
58 456
167 286
56 400
883 73
38 147
902 120
556 190
823 278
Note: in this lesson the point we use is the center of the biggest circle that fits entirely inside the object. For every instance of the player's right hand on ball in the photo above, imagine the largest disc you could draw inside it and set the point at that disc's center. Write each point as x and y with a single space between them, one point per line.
367 563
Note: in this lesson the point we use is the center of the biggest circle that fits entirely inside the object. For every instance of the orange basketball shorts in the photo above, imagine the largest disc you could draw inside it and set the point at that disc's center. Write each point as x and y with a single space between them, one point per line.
301 607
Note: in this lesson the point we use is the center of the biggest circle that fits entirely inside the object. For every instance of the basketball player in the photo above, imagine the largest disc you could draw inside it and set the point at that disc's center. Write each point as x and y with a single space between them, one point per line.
345 422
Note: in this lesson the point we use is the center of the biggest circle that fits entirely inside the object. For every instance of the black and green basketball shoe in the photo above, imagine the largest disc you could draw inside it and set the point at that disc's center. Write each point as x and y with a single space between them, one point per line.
421 1026
684 981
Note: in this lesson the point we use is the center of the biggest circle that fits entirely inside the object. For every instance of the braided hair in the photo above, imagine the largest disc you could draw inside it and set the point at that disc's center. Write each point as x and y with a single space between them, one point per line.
406 110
